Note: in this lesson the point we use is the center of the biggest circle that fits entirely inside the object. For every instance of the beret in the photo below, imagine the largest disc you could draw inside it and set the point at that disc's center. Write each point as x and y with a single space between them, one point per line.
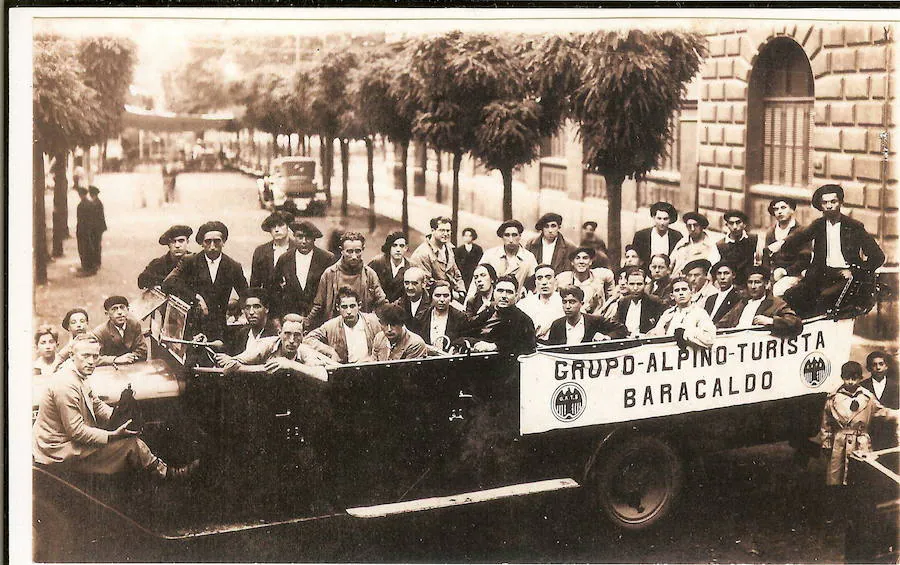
113 300
547 218
722 263
510 223
93 189
583 249
702 263
735 214
173 232
759 270
389 241
589 223
215 225
275 218
72 312
792 204
826 189
664 207
697 217
306 228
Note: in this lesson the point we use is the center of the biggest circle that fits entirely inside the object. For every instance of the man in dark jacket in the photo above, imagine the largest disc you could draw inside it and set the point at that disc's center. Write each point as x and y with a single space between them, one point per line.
723 301
760 308
576 327
297 273
262 266
121 337
176 237
206 280
503 327
786 267
551 248
638 311
254 304
738 248
91 223
391 264
839 245
882 383
415 301
468 254
441 320
660 238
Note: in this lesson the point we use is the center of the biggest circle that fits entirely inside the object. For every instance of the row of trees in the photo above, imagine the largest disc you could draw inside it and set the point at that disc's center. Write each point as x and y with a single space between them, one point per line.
493 97
78 98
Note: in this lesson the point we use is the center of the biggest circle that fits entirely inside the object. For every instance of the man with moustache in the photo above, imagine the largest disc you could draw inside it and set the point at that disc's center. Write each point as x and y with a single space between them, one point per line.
284 352
176 237
121 337
295 281
759 308
262 266
638 311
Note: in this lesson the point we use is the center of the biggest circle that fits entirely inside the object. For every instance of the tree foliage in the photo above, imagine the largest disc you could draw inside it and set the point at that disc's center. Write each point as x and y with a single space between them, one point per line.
108 64
197 86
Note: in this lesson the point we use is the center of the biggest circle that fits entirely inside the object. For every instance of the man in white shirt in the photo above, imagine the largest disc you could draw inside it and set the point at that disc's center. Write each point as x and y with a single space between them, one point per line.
720 303
415 301
511 258
786 267
544 305
759 308
576 327
297 273
687 321
637 310
441 324
698 244
283 353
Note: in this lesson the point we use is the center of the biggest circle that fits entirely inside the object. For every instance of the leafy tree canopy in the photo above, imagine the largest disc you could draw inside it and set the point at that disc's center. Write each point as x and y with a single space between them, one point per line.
108 64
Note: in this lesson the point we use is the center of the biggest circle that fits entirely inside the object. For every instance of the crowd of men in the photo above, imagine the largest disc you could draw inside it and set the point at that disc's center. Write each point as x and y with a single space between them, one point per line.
306 308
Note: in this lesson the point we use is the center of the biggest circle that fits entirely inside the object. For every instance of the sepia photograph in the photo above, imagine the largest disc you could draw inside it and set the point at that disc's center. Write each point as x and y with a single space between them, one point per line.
453 286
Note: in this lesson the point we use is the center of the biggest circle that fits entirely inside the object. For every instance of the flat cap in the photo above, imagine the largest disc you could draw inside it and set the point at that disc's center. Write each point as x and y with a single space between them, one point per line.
546 219
113 300
510 224
697 217
275 218
664 207
214 225
735 214
306 228
173 232
826 189
759 270
589 223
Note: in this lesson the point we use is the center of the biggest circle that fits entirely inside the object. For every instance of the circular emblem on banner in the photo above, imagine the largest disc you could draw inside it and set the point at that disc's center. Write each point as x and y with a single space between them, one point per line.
567 402
815 369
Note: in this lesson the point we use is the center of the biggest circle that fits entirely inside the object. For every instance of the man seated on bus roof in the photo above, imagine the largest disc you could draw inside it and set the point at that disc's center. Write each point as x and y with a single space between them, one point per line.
760 308
687 321
285 352
121 337
575 327
503 327
350 336
396 341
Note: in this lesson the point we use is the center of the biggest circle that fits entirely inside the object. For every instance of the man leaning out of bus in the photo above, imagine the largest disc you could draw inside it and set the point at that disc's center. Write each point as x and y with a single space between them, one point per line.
758 307
687 321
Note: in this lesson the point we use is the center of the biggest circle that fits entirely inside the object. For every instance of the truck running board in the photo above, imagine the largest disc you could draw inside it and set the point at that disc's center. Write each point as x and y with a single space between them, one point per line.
523 489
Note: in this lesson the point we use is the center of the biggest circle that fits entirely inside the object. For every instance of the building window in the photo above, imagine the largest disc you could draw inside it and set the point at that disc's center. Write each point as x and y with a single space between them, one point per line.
554 146
553 162
671 161
780 116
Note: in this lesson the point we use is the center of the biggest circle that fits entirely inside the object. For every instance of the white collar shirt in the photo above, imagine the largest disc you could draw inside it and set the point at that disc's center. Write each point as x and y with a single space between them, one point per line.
542 312
659 243
396 268
121 331
278 251
547 250
253 339
303 262
633 317
438 325
878 387
414 306
357 344
749 313
781 233
575 334
720 298
834 257
213 266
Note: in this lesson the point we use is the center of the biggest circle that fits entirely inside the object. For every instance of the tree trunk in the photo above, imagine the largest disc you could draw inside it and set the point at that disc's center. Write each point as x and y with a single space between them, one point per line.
60 202
506 173
326 169
102 164
345 171
39 236
331 156
439 190
370 179
614 217
404 186
454 203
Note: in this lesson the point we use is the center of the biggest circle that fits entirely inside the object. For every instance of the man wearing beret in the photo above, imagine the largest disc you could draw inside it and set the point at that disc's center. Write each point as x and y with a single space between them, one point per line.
738 248
511 258
786 267
660 238
121 337
697 274
262 266
759 308
551 247
838 243
727 296
295 280
176 237
207 279
698 244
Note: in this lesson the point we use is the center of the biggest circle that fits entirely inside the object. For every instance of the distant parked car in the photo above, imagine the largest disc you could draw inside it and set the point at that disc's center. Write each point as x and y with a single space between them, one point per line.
292 178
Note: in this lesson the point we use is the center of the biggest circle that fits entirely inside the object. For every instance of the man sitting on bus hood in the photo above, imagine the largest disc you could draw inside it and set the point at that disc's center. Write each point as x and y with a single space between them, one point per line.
760 308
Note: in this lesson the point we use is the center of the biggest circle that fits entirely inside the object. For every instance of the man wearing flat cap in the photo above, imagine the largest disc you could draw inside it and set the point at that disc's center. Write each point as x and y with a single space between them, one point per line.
121 337
786 267
293 285
660 238
551 247
739 249
839 243
511 258
698 244
176 237
262 266
206 280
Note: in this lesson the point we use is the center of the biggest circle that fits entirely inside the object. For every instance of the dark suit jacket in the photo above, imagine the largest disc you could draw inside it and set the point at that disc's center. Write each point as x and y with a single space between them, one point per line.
560 260
891 396
285 292
414 323
262 266
236 336
641 242
112 344
883 431
731 299
651 309
157 270
456 323
739 254
662 289
786 321
793 263
467 261
392 285
592 325
511 332
856 243
191 277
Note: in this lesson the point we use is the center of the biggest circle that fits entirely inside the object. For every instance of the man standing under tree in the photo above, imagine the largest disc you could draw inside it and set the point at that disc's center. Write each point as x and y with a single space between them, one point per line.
551 248
659 239
88 231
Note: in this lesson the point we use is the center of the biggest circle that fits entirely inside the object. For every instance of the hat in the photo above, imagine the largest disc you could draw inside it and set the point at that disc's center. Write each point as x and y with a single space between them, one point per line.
789 201
214 225
306 228
697 217
389 241
823 190
72 312
583 249
665 207
113 300
759 270
510 224
589 223
93 190
723 263
275 218
173 232
702 263
547 218
735 214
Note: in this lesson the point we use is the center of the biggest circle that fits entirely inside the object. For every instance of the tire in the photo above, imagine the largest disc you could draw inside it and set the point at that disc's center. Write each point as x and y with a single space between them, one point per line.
638 482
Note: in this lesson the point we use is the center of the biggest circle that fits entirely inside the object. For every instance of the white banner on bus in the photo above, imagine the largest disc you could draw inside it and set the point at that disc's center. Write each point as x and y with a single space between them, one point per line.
570 390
